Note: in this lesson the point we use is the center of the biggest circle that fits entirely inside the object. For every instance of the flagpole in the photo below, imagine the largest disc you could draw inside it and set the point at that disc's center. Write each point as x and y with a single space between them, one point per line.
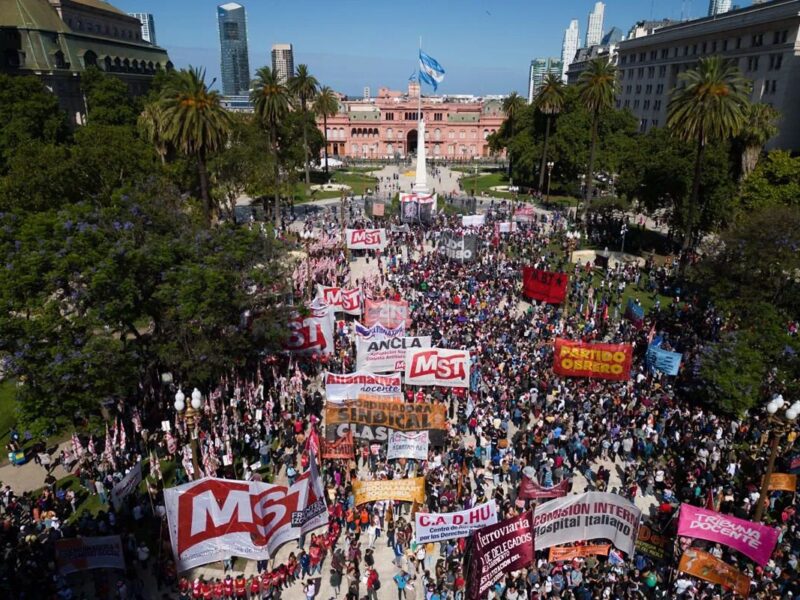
419 84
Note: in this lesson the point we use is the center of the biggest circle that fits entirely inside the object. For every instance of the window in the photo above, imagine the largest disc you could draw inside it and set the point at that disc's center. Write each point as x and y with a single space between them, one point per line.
694 50
642 56
638 89
627 103
635 104
643 125
738 43
662 71
654 122
623 60
646 105
757 40
354 148
660 88
628 89
437 133
450 135
752 63
390 133
651 72
775 61
640 72
437 116
389 116
724 45
653 54
665 53
461 134
648 89
657 105
705 47
714 46
630 74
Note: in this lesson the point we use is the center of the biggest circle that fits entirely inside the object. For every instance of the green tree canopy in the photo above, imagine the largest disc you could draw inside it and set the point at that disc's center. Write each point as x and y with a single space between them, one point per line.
774 182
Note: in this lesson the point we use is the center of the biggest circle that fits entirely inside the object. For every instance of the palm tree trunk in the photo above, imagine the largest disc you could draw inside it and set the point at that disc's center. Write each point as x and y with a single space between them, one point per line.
544 152
325 127
694 208
305 144
277 207
750 156
202 173
589 188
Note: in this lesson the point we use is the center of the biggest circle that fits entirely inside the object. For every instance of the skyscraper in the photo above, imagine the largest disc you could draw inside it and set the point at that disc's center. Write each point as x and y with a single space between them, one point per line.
233 47
540 68
717 7
594 29
569 47
148 26
283 61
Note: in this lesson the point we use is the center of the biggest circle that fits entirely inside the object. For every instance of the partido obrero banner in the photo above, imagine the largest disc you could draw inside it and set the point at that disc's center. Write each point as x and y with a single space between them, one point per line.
83 553
435 527
408 445
389 354
347 386
587 516
544 286
603 361
437 366
366 239
376 420
499 549
390 313
212 519
341 299
405 490
751 539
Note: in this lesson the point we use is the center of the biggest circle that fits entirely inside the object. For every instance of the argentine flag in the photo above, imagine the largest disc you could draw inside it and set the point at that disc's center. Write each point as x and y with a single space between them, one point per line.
430 71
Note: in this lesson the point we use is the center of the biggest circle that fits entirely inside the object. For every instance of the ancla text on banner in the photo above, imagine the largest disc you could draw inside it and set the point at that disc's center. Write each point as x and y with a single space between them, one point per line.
603 361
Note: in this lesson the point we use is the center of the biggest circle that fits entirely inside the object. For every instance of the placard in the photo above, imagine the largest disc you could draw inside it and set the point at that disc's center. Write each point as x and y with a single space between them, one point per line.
408 445
375 420
558 553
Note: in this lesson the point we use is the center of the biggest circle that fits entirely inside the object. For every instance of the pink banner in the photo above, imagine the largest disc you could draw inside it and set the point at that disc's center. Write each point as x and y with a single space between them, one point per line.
751 539
531 490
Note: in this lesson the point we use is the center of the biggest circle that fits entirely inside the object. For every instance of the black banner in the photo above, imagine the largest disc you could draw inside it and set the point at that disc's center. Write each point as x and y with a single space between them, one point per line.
460 247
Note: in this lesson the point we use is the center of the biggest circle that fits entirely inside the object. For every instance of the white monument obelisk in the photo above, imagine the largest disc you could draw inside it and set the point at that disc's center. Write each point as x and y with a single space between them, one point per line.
421 181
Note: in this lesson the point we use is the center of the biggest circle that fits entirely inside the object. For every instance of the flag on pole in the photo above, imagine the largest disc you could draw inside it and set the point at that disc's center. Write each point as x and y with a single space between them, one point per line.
430 71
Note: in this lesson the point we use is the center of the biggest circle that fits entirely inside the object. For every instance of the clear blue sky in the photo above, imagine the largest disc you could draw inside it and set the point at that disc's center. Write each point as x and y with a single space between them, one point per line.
485 45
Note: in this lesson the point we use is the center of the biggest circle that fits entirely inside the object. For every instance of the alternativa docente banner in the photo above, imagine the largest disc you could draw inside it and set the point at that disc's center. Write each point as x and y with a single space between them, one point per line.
212 519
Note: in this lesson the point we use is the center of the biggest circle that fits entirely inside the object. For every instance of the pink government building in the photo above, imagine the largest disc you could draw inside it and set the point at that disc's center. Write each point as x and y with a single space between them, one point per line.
456 127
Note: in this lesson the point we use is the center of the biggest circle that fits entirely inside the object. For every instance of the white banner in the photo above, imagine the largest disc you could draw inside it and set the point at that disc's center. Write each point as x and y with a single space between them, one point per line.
437 366
506 227
82 553
342 300
347 386
128 483
473 220
588 516
408 444
379 332
366 239
435 527
213 519
314 333
377 356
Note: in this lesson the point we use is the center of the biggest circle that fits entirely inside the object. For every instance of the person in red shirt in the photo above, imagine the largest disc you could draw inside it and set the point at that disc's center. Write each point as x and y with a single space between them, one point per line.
184 588
372 586
255 587
197 590
240 587
207 590
218 590
228 584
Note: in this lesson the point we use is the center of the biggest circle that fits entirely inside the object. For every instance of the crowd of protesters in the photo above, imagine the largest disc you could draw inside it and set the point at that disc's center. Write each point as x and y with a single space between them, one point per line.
661 445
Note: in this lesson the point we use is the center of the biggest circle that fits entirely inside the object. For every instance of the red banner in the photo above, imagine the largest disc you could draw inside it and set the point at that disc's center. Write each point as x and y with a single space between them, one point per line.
603 361
531 490
389 313
341 448
544 286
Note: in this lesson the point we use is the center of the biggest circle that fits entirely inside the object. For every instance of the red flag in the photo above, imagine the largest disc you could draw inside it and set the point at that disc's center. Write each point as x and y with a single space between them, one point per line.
710 499
312 443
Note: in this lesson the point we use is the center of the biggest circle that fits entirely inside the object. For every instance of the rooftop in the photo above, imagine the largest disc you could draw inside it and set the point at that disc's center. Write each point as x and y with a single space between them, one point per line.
230 6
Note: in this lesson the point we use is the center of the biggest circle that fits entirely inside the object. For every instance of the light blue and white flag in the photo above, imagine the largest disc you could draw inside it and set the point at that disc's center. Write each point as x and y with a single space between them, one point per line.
430 71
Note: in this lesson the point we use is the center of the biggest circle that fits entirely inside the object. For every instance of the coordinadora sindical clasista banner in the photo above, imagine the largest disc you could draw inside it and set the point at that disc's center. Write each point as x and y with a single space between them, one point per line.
602 361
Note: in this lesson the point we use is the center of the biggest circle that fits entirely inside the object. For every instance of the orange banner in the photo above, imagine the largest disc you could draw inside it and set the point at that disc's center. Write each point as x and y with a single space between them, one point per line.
379 398
341 448
708 567
569 552
783 482
604 361
408 490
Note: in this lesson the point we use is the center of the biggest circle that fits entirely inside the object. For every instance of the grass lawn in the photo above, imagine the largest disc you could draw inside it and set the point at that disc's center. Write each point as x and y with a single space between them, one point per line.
359 182
484 183
8 417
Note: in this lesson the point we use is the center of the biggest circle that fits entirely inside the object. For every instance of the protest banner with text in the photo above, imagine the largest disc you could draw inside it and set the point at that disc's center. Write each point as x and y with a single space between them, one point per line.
347 386
603 361
343 448
558 553
377 356
366 239
341 299
404 444
653 544
708 567
531 490
378 331
375 420
128 483
437 366
404 490
751 539
783 482
544 286
84 553
435 527
389 313
461 247
313 333
587 516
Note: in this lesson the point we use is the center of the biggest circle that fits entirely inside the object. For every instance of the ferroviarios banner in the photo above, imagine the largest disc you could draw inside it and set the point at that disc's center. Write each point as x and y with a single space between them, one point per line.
603 361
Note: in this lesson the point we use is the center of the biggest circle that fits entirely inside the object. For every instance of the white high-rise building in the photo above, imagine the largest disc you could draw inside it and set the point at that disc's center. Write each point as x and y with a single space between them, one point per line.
540 69
569 47
148 26
594 29
283 62
366 92
717 7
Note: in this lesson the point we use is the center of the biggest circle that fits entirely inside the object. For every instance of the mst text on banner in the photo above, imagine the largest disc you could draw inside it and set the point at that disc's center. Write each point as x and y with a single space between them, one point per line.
389 313
341 299
496 550
312 334
406 490
375 420
437 366
544 286
347 386
709 568
366 239
412 444
83 553
377 356
587 516
211 519
604 361
435 527
751 539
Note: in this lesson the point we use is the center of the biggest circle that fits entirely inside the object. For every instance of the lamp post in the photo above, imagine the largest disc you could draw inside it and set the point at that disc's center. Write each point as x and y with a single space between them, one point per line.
779 427
192 418
550 165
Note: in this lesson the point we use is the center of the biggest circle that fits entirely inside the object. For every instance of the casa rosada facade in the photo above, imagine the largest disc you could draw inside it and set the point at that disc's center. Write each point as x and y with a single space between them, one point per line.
456 127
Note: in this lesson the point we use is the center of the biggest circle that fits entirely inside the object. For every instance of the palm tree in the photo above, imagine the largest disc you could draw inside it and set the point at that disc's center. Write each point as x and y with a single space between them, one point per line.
759 127
195 123
151 127
303 86
512 106
549 101
270 99
709 104
597 86
326 105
